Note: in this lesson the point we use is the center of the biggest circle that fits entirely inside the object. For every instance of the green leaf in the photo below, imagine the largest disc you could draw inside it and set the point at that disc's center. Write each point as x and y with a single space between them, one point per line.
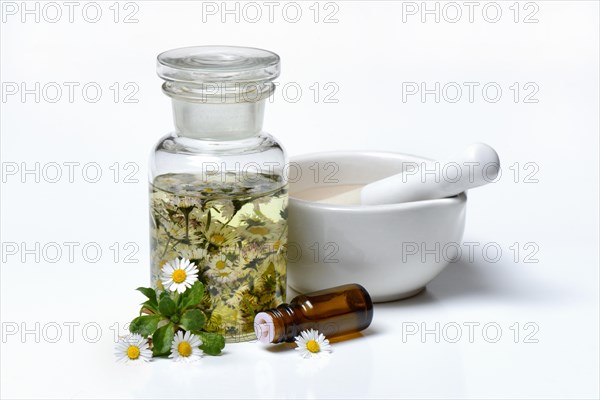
144 325
212 343
193 296
149 306
166 305
238 204
193 320
284 213
151 303
162 340
149 293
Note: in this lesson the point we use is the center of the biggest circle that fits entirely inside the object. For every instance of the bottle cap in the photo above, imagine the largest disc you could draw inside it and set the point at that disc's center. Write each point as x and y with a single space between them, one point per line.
264 327
218 74
209 64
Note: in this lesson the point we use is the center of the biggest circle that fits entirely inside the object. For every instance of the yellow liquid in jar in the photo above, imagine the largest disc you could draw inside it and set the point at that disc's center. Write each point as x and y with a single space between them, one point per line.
234 228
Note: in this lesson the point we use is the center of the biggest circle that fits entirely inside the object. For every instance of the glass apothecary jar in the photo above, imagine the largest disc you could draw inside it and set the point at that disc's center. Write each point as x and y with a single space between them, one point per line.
218 188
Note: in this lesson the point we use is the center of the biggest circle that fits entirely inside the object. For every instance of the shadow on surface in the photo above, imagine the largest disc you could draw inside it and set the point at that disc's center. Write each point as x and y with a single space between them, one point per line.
466 279
282 347
278 348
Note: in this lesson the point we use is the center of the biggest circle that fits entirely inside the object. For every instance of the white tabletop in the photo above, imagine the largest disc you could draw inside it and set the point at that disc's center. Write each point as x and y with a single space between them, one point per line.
528 322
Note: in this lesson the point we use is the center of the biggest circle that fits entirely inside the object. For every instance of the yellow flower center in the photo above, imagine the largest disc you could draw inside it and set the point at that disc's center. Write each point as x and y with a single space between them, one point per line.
178 276
217 238
220 264
277 245
208 190
313 346
133 352
259 230
184 349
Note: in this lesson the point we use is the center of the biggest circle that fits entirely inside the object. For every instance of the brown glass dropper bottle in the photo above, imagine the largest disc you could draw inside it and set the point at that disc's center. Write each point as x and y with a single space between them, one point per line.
333 312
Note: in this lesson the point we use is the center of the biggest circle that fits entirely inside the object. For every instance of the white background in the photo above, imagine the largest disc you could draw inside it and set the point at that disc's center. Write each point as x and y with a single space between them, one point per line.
367 54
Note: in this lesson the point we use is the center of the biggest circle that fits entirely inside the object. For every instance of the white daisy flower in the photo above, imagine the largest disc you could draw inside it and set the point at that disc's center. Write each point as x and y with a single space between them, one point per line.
252 251
185 347
259 201
184 202
238 295
133 348
221 269
221 235
178 231
260 230
179 274
193 253
279 245
311 343
226 208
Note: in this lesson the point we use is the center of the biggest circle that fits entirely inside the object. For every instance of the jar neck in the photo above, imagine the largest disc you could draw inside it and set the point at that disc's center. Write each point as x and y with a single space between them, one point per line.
218 121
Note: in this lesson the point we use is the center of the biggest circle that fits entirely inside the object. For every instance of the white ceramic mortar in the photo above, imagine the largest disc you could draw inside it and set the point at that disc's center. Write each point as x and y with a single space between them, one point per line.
392 250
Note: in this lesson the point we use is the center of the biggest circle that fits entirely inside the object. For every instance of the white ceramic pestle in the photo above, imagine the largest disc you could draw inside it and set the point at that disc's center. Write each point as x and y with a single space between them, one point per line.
475 166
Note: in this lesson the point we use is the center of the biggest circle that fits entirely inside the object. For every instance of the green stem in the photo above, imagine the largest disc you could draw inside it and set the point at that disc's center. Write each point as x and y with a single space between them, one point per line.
259 213
166 246
283 232
187 226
